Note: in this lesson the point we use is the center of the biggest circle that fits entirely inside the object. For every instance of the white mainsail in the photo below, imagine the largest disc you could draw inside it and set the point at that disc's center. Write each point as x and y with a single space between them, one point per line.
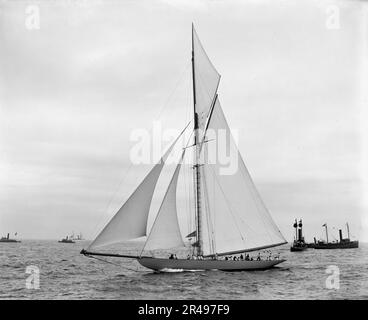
165 232
130 222
238 218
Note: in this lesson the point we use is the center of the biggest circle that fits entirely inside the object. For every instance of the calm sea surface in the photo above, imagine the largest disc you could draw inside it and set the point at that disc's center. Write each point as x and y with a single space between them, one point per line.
65 274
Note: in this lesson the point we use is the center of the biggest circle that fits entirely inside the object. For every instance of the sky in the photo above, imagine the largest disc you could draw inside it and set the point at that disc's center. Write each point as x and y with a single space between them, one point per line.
76 83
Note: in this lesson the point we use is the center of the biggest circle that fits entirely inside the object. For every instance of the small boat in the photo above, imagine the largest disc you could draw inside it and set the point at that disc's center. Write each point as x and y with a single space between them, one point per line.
7 239
299 243
229 216
340 244
67 239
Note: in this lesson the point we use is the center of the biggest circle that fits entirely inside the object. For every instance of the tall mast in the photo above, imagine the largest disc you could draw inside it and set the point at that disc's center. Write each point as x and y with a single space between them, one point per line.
347 227
197 174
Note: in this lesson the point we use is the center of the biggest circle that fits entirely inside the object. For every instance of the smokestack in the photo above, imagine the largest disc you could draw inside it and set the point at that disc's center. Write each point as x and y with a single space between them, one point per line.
300 234
340 233
315 241
295 224
296 229
7 236
300 230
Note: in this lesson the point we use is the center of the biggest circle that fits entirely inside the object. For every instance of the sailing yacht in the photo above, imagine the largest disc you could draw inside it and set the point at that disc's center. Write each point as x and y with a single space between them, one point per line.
230 216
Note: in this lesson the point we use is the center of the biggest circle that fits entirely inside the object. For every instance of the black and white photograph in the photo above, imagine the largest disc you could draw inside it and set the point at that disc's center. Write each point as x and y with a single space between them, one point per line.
183 150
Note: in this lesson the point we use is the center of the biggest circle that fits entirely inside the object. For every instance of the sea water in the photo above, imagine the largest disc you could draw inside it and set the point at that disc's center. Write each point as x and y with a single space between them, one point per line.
51 270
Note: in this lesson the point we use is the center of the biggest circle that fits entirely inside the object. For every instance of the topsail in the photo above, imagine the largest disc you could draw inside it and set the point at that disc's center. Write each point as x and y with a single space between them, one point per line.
206 81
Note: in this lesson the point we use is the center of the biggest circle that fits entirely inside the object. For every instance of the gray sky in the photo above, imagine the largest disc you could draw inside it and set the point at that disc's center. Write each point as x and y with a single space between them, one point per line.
72 91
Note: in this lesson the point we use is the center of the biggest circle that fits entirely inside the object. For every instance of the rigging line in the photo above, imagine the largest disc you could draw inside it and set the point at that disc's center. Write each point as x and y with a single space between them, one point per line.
206 89
251 187
189 215
229 205
253 191
213 99
190 201
161 159
210 232
108 207
258 200
208 119
186 172
163 108
185 191
210 225
210 110
187 196
158 213
173 91
195 205
115 264
234 214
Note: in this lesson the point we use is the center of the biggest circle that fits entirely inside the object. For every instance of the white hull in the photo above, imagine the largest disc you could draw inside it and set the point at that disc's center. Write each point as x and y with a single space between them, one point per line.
159 264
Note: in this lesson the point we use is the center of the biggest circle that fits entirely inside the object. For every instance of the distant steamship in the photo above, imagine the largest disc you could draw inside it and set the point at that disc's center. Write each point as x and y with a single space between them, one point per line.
299 243
8 239
340 244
